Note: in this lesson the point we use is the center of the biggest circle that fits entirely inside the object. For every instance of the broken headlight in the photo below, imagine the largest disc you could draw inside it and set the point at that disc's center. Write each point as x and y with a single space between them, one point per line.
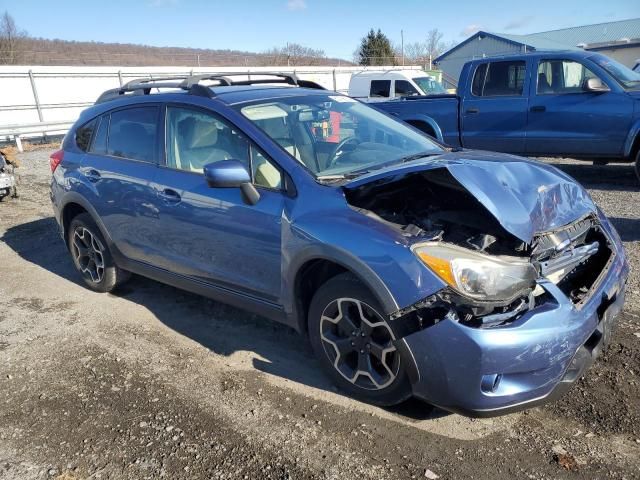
473 274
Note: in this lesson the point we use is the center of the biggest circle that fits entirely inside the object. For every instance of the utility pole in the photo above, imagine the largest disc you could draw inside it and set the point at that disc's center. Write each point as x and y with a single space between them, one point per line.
402 45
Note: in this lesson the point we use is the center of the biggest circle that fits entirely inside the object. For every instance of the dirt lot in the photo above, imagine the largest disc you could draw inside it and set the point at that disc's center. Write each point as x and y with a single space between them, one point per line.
157 383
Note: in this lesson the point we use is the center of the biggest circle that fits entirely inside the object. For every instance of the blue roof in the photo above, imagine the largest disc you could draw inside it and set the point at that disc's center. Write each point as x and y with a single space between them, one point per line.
573 38
590 34
535 42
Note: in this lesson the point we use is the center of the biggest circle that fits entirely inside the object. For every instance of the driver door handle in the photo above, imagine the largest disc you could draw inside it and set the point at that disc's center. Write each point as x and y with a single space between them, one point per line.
473 110
169 195
538 108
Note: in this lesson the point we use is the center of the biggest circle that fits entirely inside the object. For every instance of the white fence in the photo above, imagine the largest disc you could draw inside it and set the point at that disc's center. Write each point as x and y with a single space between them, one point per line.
51 96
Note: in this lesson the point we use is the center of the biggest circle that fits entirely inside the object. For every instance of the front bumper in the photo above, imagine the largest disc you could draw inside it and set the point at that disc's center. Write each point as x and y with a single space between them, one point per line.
493 371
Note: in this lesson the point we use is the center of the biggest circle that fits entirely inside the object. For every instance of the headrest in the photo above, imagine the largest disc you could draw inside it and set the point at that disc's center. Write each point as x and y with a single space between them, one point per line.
275 128
197 132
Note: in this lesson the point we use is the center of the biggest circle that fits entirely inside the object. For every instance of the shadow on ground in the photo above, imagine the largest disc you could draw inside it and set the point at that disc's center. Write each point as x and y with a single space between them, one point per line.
614 176
218 327
628 228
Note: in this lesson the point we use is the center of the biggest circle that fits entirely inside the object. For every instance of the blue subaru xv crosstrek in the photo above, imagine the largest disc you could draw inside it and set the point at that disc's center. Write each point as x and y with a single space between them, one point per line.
479 282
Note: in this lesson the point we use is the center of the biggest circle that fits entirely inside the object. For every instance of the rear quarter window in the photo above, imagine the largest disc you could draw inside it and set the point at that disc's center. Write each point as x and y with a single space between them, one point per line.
478 80
84 134
133 133
380 88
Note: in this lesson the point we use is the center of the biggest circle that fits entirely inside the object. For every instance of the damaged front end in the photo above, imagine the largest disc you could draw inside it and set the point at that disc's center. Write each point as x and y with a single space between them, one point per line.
519 296
490 273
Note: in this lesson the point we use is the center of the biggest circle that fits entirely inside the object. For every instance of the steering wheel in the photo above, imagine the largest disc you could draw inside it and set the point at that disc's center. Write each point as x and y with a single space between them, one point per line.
337 151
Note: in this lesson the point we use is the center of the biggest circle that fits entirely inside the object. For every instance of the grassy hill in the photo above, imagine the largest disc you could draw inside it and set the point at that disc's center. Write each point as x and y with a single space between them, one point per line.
38 51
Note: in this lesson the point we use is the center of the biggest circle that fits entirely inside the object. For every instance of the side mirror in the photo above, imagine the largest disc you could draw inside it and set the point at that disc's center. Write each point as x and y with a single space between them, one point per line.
231 174
594 85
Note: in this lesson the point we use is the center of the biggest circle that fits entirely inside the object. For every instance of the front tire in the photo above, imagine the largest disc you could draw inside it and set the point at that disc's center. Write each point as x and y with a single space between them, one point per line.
91 256
354 343
637 165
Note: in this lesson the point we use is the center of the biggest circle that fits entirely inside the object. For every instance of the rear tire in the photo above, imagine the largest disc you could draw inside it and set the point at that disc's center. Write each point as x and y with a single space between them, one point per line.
91 255
353 342
637 165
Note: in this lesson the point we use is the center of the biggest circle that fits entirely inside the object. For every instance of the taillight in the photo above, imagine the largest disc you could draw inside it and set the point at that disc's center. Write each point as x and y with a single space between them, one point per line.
55 159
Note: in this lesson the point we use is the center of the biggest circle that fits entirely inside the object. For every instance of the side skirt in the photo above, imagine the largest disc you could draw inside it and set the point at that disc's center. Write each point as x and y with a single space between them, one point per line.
219 293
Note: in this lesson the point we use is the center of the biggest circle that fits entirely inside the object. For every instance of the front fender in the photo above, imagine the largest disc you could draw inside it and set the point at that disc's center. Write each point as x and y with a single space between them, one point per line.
372 251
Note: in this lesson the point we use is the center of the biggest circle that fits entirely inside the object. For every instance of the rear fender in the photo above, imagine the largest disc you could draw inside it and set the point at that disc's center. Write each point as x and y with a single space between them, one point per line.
419 117
632 138
74 197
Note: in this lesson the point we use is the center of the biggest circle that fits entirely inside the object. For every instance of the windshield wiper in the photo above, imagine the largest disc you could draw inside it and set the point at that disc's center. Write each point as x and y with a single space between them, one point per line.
417 156
342 176
357 173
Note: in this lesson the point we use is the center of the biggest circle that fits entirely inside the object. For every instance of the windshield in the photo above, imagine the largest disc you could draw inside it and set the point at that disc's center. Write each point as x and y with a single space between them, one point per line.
335 135
429 85
624 76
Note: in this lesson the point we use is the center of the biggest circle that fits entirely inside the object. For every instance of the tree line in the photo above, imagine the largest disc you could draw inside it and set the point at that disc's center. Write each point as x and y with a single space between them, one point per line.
377 49
17 47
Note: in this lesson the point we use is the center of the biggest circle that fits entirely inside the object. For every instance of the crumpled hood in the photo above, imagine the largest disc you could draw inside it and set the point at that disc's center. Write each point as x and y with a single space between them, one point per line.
525 196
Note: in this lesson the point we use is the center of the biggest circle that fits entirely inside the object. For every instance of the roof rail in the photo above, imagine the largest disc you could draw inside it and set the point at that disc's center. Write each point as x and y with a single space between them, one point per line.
191 83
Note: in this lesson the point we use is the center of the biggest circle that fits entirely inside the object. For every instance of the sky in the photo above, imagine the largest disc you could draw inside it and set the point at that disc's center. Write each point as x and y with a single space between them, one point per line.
331 25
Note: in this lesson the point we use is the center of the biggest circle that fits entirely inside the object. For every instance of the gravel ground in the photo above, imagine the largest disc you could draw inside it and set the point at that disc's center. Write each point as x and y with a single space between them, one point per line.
153 382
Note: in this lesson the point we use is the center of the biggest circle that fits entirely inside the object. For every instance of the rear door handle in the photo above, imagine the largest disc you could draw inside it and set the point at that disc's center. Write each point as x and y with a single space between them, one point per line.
538 108
169 195
473 110
92 174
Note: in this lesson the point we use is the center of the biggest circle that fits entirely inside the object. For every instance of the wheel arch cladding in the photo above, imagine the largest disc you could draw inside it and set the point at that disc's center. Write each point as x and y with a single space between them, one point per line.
632 143
74 202
69 212
315 271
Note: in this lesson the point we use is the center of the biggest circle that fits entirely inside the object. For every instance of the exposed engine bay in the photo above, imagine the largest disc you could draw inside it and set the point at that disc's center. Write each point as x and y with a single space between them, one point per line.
433 206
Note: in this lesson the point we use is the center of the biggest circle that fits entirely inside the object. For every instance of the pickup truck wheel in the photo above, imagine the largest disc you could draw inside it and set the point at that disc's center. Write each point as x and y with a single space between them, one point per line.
637 165
92 257
354 344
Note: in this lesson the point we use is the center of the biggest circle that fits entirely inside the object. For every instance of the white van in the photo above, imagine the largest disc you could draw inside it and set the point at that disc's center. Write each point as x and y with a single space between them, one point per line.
379 86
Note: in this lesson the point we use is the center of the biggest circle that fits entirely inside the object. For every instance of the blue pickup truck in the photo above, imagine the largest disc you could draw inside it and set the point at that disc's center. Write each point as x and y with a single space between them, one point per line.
560 104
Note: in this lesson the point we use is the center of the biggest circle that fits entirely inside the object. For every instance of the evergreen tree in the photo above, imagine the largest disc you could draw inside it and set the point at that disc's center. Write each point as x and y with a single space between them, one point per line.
375 49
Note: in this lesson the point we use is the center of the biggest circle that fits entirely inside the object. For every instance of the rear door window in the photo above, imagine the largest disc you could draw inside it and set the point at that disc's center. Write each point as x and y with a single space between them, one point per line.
500 79
133 133
380 88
